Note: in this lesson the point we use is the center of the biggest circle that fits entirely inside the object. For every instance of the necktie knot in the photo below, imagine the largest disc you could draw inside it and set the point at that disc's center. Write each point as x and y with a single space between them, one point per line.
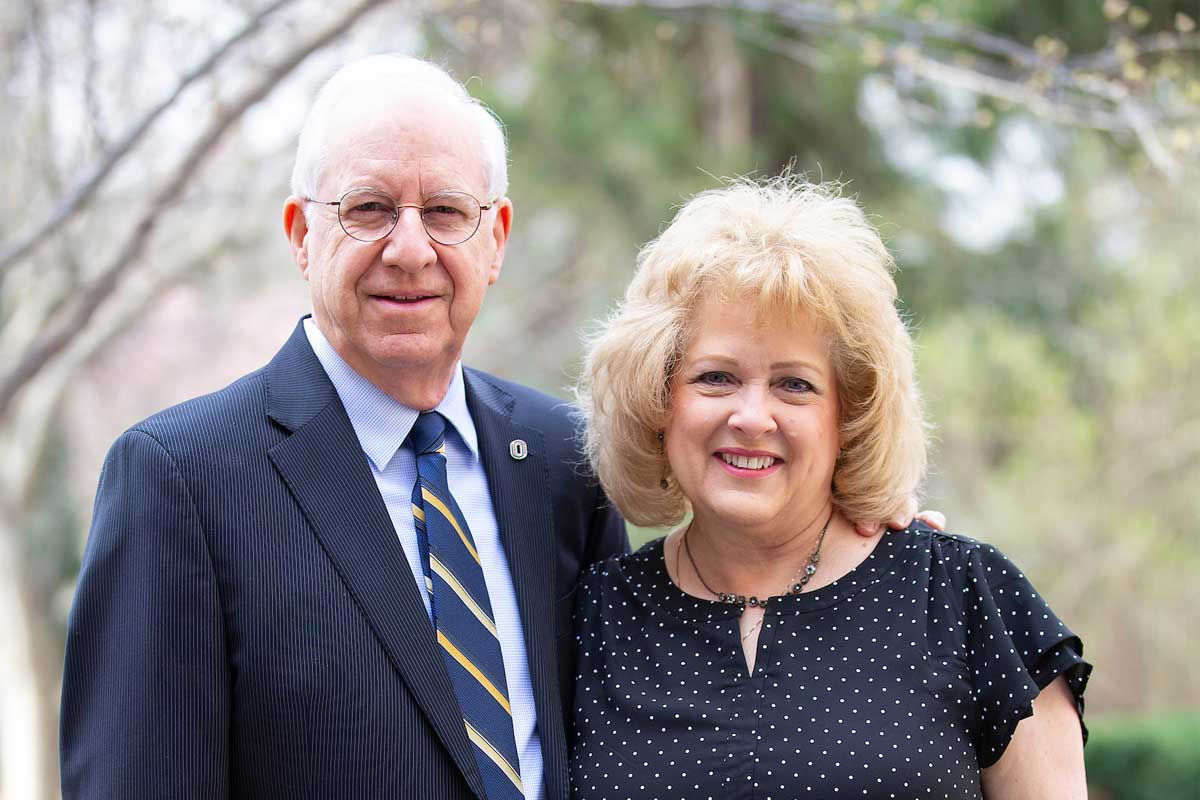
427 432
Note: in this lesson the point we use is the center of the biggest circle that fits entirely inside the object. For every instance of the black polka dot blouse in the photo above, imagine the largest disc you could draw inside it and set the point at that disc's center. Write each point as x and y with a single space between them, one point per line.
902 679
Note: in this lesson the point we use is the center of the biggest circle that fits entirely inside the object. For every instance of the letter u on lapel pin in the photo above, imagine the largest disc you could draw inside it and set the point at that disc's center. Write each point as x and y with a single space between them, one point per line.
518 449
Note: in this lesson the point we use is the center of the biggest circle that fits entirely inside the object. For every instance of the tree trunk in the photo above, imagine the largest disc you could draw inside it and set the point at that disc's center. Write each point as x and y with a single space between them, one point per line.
30 660
726 102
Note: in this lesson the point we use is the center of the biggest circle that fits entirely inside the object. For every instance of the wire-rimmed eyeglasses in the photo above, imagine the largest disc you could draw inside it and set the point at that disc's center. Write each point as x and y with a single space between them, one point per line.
368 215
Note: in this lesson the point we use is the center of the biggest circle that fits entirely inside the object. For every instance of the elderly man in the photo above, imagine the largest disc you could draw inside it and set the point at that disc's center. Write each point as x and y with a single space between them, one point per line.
350 573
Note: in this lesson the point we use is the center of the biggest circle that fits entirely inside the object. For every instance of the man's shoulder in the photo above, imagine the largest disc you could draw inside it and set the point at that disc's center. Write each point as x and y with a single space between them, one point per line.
528 405
223 415
290 388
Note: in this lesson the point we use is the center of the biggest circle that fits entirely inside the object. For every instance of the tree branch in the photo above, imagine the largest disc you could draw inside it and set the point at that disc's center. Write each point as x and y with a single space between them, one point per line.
87 187
807 15
1059 90
91 67
26 442
43 64
100 288
1110 59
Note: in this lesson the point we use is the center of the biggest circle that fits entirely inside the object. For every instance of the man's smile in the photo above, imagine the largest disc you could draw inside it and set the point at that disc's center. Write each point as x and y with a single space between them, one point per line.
406 299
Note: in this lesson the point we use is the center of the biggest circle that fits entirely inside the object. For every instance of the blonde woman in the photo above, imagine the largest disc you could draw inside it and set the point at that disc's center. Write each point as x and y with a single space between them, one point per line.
757 382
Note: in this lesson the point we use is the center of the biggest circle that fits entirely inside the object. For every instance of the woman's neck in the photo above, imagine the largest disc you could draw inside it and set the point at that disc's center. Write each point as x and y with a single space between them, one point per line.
760 562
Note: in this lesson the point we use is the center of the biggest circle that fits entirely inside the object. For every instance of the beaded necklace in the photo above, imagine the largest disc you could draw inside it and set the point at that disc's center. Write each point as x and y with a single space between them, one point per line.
795 586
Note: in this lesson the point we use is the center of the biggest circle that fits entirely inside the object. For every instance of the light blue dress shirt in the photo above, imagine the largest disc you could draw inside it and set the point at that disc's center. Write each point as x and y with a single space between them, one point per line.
382 424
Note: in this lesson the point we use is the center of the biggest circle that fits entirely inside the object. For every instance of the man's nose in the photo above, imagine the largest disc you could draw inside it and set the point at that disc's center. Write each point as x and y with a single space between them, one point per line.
753 415
408 246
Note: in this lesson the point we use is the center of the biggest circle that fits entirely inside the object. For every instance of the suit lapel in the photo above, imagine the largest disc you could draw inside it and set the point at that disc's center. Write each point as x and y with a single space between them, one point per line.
328 474
520 490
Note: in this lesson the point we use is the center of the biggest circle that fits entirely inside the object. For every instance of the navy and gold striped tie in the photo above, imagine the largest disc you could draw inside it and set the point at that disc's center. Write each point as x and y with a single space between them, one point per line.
462 613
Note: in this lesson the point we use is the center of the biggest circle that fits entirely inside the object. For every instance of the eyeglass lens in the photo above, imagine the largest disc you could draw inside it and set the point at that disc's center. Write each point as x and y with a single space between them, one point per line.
449 217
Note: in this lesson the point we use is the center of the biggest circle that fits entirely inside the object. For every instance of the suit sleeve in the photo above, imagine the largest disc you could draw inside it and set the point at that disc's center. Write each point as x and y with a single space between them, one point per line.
145 700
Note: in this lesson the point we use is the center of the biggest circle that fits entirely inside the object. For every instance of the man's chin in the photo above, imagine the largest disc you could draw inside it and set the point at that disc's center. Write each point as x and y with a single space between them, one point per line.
405 352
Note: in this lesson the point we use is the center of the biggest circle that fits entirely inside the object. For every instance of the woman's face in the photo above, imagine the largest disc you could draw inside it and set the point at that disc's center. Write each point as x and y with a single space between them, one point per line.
752 436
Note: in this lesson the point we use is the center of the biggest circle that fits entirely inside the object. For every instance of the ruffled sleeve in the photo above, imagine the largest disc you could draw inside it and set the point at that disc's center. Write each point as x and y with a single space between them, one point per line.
1016 646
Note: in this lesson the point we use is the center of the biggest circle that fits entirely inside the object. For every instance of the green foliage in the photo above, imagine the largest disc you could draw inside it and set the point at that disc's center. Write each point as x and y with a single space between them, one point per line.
1082 26
1070 439
994 389
639 536
1150 758
608 112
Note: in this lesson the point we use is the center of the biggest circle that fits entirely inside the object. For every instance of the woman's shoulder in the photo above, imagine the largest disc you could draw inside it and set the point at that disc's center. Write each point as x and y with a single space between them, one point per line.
624 567
1012 641
959 553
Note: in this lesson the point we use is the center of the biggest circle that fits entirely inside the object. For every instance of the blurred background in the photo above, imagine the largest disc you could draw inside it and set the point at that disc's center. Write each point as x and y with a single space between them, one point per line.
1032 164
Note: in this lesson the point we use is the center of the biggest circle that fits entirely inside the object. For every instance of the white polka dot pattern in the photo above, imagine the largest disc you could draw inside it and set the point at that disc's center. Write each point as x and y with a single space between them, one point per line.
899 680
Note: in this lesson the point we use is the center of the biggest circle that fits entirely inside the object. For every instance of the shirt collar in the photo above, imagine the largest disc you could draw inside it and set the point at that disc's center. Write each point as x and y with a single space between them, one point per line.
381 422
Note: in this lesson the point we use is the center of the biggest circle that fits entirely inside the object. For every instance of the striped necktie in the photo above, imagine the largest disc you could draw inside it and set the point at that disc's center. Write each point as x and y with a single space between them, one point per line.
462 613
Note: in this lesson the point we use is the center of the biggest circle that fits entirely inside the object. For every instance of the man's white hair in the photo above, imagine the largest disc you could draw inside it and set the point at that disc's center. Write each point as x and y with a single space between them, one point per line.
369 83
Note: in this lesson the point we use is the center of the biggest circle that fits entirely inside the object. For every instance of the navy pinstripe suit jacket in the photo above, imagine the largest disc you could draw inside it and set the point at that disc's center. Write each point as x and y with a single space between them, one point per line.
245 623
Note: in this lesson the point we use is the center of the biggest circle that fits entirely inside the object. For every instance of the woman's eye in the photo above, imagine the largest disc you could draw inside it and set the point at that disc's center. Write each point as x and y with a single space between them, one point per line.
715 378
798 385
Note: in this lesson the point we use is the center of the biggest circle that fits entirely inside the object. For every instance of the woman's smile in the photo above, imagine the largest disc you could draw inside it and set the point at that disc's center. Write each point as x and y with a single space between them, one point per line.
748 463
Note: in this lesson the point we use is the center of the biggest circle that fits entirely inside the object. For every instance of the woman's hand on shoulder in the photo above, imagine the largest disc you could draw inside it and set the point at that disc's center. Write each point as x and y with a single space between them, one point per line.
1044 759
934 519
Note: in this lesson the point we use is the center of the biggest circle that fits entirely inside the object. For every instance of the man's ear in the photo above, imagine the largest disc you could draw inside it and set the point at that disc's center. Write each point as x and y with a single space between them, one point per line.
501 226
296 228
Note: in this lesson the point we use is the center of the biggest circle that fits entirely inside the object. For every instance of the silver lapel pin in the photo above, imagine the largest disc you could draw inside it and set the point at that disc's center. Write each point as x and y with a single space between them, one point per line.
518 449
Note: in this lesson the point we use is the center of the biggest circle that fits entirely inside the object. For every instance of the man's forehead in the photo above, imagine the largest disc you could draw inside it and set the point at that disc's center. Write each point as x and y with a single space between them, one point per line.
428 174
428 139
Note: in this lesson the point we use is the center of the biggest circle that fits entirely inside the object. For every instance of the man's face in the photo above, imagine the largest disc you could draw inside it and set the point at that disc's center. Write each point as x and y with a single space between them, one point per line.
398 310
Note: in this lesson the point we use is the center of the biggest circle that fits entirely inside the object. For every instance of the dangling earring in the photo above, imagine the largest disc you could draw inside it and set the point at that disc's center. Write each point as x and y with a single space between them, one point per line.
662 484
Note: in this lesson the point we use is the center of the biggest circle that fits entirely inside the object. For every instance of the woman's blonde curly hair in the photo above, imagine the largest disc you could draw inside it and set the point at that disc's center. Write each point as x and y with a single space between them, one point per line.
797 249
